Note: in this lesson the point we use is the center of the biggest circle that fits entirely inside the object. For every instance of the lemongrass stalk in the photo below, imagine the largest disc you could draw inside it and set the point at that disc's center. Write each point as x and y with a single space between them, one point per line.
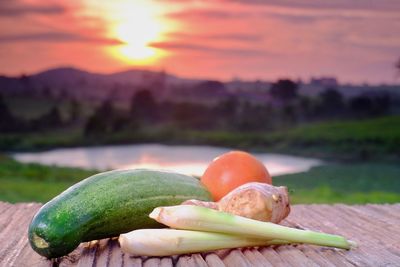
204 219
166 242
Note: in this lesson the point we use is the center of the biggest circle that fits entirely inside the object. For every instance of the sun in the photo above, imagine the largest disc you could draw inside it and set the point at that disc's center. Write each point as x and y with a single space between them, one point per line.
137 31
137 27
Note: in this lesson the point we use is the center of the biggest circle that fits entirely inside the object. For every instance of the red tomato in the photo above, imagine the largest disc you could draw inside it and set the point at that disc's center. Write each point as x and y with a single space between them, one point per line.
231 170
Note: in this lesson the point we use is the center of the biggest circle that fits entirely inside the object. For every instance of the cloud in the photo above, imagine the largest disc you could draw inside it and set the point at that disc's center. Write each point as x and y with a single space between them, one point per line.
310 15
307 17
240 52
391 43
206 14
56 37
299 12
16 8
388 5
241 37
294 18
373 5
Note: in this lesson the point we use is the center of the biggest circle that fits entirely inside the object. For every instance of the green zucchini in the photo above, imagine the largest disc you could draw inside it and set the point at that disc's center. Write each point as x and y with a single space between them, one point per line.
106 205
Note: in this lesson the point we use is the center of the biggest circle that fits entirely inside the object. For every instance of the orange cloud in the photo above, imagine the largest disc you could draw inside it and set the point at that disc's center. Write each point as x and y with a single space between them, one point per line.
353 40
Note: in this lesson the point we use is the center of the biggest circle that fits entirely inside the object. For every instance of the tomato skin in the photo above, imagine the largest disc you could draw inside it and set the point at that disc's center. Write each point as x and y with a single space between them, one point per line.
231 170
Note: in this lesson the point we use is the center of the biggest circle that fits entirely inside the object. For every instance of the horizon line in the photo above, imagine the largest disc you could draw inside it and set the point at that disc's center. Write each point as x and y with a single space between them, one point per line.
233 78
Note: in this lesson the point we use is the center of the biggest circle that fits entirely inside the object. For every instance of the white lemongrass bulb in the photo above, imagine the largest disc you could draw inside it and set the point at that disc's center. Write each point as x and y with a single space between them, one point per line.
166 242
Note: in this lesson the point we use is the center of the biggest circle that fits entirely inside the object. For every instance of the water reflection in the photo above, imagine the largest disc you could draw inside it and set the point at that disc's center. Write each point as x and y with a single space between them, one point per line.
184 159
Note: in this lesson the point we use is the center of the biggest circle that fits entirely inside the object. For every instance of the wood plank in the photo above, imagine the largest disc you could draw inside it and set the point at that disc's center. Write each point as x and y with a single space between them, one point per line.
7 216
214 261
316 256
116 256
166 262
191 260
327 254
273 257
387 218
359 231
256 258
324 257
294 256
308 217
4 204
87 254
343 225
236 258
388 211
373 232
83 254
372 226
381 228
13 236
132 261
375 227
3 207
157 262
152 262
106 252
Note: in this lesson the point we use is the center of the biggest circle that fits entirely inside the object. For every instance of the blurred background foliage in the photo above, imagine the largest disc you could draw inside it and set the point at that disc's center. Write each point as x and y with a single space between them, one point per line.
358 135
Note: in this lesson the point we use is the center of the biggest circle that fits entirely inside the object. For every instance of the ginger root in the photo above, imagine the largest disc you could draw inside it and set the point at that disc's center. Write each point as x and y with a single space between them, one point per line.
258 201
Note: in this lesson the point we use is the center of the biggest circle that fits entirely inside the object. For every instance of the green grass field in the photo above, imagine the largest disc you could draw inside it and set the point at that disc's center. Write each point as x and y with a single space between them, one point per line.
355 183
33 182
376 139
351 183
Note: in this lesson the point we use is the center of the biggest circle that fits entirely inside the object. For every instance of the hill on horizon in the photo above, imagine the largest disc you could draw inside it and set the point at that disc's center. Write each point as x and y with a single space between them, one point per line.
89 85
120 86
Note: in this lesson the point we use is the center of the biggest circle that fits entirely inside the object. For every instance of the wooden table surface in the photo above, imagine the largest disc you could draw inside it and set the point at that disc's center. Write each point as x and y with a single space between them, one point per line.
376 228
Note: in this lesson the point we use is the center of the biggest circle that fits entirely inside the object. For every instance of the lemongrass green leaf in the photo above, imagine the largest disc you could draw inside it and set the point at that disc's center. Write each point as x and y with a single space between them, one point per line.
196 218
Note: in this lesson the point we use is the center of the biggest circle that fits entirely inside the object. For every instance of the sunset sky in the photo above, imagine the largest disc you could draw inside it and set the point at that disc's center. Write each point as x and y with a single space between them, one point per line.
354 40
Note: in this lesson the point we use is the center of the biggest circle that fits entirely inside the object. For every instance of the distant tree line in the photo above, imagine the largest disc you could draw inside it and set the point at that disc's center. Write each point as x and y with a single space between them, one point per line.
232 113
10 123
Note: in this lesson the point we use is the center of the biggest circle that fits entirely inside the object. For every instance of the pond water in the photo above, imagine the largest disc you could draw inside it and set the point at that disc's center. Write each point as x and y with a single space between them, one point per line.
191 160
